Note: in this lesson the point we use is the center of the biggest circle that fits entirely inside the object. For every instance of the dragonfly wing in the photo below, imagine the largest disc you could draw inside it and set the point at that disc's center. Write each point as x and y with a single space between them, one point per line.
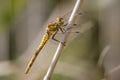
82 24
79 31
79 15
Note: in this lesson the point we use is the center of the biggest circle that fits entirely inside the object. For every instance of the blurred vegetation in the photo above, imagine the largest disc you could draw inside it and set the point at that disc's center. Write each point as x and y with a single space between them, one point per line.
8 77
61 77
57 76
8 11
83 52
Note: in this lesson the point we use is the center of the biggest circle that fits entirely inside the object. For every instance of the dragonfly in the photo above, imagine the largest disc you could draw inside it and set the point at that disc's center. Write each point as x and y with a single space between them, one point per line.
50 31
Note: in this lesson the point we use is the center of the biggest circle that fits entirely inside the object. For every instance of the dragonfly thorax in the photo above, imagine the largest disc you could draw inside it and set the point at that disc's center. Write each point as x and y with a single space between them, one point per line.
55 26
51 28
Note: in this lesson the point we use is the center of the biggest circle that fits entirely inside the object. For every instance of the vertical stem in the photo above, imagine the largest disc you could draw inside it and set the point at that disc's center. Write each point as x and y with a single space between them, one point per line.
12 44
64 39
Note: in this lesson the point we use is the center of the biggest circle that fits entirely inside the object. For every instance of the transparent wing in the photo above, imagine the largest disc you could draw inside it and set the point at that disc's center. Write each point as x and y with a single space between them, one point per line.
81 25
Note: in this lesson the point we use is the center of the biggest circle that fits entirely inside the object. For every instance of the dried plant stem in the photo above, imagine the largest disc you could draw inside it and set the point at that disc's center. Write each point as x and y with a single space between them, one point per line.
63 40
103 54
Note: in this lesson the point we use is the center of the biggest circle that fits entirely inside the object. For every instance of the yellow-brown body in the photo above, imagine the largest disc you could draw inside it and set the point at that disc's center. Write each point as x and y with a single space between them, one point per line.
52 28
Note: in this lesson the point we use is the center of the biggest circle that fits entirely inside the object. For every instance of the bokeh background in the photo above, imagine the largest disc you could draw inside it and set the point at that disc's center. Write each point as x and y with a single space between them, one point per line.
92 55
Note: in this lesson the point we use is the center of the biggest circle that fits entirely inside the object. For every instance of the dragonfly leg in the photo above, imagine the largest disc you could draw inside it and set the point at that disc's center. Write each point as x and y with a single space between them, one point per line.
62 29
65 24
53 38
70 27
73 25
63 43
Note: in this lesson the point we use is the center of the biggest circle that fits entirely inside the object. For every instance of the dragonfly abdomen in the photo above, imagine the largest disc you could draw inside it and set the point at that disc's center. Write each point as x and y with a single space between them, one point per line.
43 42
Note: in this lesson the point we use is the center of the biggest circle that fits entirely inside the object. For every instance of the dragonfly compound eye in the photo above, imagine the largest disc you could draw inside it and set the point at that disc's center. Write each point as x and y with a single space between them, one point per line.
59 20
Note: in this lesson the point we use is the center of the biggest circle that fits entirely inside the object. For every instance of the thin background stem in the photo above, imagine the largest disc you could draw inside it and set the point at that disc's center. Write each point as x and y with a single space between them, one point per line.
71 20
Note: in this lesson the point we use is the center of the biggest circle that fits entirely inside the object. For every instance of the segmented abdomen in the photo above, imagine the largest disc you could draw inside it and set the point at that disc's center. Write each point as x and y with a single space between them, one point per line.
43 42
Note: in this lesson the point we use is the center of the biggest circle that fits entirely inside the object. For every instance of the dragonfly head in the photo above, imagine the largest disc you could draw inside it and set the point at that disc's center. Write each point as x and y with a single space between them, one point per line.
60 20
